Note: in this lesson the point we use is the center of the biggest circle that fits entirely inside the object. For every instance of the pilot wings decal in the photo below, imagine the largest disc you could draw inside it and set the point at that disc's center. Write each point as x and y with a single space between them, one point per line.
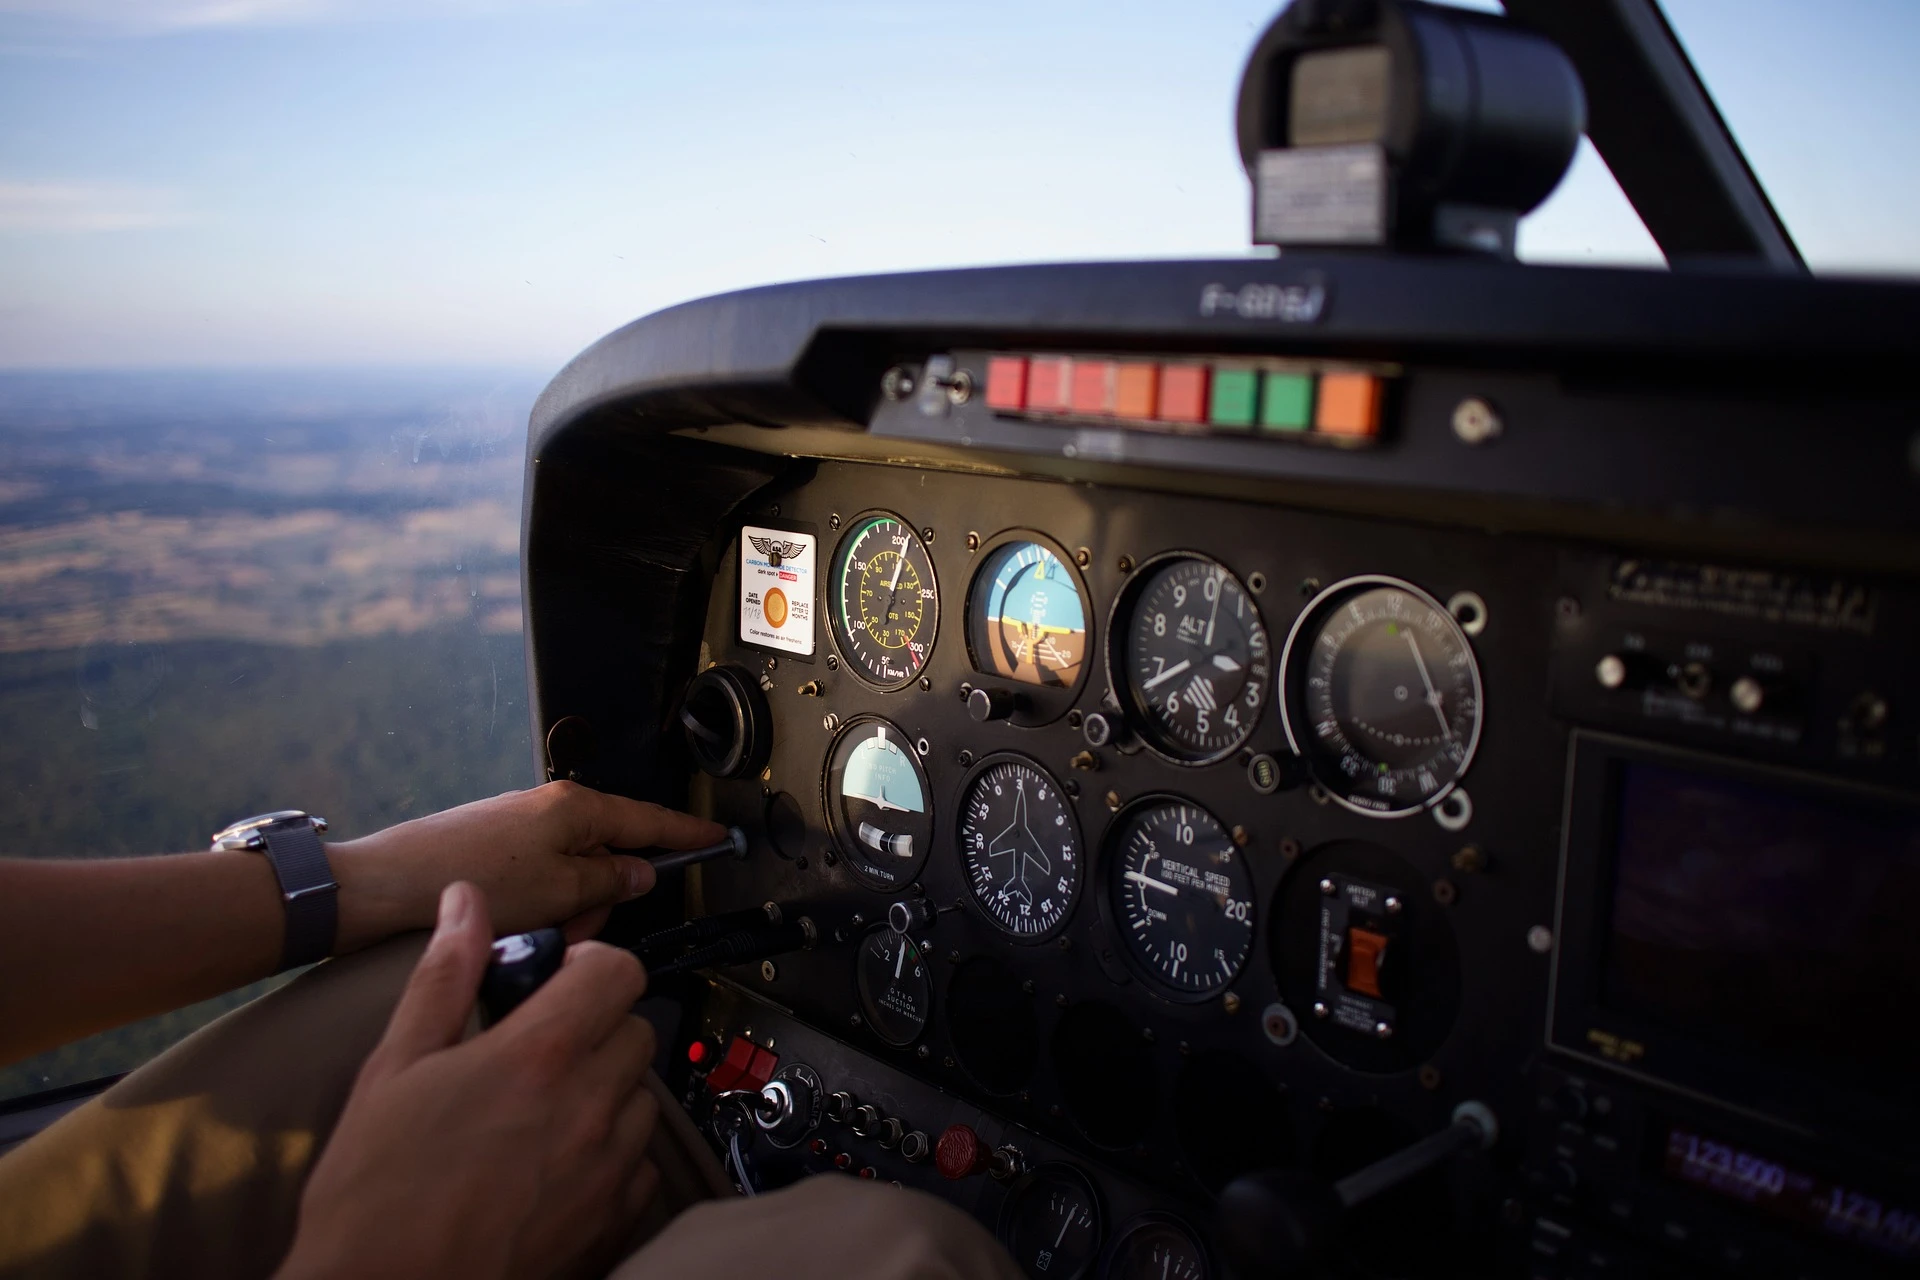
777 590
777 549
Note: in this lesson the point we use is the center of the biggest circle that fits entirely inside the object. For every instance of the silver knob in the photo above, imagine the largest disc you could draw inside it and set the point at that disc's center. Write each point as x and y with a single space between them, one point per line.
866 1119
1747 695
1610 671
910 914
915 1147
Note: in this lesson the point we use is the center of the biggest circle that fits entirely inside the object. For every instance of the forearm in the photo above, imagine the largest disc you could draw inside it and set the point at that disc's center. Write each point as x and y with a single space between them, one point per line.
89 944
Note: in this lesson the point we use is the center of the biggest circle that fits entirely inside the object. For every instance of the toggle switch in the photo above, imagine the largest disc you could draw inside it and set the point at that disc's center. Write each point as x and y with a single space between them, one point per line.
1366 954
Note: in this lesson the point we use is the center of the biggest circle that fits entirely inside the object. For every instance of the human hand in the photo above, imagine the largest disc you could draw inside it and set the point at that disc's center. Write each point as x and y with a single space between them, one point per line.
539 856
521 1152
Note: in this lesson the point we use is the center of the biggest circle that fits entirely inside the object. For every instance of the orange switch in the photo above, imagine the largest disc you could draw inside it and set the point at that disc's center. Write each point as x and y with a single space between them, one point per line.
1092 391
1134 390
1348 405
1183 393
1366 952
1050 384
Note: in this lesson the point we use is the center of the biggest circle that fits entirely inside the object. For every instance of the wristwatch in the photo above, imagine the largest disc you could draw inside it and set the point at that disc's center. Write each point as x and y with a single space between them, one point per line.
291 841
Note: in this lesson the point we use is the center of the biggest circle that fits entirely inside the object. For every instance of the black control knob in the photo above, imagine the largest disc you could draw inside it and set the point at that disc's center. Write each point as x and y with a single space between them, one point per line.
992 704
840 1106
866 1120
909 914
728 726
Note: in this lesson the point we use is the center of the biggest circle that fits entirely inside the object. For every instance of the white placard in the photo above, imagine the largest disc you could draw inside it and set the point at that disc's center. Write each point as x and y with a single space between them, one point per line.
776 589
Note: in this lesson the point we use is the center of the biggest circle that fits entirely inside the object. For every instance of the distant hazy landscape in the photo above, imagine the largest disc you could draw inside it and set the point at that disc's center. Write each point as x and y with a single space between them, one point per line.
228 592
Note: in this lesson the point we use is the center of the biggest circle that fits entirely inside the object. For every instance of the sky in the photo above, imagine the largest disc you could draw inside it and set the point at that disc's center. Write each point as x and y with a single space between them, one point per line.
499 182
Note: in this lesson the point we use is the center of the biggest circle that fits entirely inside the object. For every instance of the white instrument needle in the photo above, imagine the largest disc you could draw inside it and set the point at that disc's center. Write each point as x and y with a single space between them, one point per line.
1169 673
1433 698
1151 883
900 959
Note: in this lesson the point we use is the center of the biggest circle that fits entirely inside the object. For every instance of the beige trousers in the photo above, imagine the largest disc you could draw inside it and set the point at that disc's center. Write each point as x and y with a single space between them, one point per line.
193 1165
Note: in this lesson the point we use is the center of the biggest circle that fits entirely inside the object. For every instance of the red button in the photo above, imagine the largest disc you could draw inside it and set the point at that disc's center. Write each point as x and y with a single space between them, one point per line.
869 1172
1093 386
1049 384
818 1146
1183 393
761 1069
733 1067
697 1052
960 1153
1007 382
843 1161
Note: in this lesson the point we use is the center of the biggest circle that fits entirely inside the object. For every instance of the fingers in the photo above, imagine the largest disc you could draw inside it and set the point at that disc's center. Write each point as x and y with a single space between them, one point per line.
620 823
602 879
581 1004
616 1068
586 925
643 1187
433 1009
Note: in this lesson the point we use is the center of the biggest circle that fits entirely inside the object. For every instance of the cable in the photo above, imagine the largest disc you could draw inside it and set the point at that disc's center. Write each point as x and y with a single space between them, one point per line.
740 1165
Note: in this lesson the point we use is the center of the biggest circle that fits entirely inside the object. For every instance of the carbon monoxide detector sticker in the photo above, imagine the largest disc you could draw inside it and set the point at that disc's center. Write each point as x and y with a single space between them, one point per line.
777 589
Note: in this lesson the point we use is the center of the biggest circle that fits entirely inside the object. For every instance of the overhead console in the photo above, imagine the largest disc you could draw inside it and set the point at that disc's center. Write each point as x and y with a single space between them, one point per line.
1231 724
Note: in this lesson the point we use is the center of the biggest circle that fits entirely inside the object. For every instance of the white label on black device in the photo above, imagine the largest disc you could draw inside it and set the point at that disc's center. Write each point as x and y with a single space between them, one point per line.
776 589
1321 195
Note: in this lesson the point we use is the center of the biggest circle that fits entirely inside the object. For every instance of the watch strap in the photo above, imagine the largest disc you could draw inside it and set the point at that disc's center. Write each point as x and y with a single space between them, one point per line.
307 890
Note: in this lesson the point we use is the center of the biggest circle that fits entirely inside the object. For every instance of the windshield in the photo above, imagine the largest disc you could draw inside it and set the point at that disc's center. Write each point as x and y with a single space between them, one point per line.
279 280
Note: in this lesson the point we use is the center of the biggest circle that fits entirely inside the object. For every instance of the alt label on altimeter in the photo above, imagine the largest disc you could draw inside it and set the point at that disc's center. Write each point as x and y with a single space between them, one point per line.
776 589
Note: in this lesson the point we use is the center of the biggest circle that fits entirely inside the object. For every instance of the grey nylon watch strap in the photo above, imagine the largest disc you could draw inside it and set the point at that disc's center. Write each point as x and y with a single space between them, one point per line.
308 890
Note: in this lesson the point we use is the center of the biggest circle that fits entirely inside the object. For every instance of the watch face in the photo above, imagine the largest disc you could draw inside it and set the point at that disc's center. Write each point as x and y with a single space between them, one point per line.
245 834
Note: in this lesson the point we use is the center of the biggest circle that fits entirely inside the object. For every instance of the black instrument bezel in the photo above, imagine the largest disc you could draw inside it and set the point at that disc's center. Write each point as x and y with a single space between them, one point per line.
1117 826
1041 704
836 625
1067 804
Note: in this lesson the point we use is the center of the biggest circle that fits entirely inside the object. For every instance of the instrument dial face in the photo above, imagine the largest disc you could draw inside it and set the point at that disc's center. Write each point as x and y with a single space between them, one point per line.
1021 847
1027 617
1383 696
1052 1223
1182 896
895 987
886 605
879 806
1190 658
1158 1249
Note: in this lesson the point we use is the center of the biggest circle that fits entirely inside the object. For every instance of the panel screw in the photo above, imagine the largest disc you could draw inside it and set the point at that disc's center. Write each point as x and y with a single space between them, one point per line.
1146 1034
896 383
1230 1002
1327 887
947 1062
1241 836
1309 586
923 1053
1393 905
1429 1077
833 521
1073 718
922 746
966 690
1256 582
800 864
1444 893
1289 848
1540 939
1027 986
1113 801
1061 999
966 759
953 957
1383 1029
1072 788
1475 422
767 972
830 722
926 684
833 663
1066 944
1320 1010
773 663
1185 1048
1468 859
1567 607
1126 564
926 534
1084 557
973 540
855 1020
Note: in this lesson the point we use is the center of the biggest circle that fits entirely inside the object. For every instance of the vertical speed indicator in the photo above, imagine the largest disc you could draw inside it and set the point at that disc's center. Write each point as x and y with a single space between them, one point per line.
1182 896
886 604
